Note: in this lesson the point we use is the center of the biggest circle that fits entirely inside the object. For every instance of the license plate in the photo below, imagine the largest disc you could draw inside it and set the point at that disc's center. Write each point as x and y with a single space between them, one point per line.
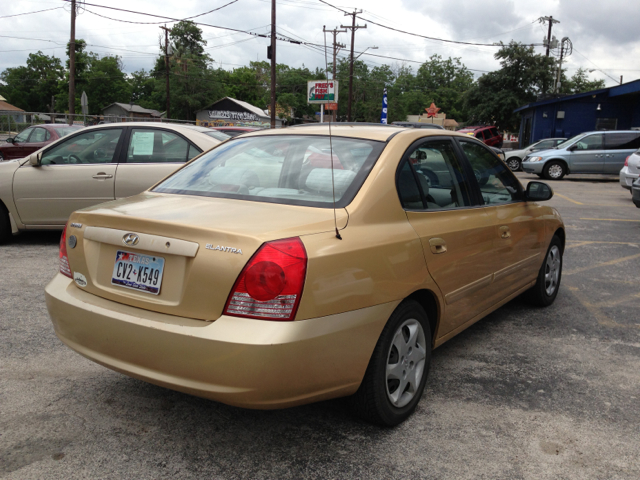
138 272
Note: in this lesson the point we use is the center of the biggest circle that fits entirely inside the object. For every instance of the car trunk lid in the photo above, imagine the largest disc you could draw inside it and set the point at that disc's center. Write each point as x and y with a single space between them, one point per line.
203 244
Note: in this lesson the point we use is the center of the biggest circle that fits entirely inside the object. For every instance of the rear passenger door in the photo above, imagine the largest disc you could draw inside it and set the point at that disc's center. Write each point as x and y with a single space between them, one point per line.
151 154
457 236
618 146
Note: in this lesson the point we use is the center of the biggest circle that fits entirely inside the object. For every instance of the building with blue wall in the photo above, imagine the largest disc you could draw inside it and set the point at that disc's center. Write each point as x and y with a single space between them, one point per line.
613 108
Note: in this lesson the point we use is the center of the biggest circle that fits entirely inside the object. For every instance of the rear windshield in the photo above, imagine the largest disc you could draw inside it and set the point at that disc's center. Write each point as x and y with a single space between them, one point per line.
64 131
290 169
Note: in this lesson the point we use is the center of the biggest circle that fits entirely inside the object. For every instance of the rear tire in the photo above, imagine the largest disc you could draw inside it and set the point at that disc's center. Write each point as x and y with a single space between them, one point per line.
1 157
554 171
545 291
397 373
514 164
5 225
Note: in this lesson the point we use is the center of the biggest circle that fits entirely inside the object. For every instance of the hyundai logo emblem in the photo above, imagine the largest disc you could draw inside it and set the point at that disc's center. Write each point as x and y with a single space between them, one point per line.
130 239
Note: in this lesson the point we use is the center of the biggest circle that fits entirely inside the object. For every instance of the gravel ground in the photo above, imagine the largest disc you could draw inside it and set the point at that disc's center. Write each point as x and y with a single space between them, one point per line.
525 393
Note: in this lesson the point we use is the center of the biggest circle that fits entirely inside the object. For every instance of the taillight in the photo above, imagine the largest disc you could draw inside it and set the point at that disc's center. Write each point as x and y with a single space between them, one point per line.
626 161
64 259
270 285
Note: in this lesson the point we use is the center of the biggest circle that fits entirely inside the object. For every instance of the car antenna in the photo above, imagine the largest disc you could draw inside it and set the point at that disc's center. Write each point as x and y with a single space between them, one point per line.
333 186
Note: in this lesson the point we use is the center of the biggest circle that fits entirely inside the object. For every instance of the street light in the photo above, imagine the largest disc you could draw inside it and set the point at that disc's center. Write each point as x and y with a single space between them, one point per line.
602 71
372 48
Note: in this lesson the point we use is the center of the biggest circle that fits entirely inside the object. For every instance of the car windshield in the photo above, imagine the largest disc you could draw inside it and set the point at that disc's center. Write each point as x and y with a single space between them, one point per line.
64 131
290 169
566 143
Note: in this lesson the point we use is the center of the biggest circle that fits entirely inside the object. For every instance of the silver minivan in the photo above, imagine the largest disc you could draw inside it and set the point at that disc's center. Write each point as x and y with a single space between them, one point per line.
590 152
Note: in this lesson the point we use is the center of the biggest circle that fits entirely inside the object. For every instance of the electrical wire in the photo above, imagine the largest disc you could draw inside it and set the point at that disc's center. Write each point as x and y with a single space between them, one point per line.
30 13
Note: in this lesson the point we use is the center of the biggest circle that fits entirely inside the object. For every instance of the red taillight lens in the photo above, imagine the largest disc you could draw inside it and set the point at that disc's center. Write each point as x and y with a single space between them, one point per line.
64 259
626 161
270 285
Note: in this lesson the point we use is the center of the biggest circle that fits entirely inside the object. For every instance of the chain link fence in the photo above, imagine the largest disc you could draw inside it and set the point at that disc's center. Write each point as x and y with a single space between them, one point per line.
12 123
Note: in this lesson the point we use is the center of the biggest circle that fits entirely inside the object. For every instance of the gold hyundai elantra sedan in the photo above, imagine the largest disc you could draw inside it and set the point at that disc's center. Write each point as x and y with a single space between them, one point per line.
290 266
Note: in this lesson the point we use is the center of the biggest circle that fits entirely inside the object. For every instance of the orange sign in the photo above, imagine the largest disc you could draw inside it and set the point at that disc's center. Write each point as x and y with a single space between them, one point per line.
331 106
432 111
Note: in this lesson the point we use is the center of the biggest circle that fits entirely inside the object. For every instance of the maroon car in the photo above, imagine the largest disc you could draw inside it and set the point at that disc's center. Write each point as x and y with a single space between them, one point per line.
34 138
487 134
235 131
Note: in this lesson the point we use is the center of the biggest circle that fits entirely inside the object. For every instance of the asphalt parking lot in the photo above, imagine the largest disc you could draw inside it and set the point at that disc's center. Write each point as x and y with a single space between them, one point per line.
524 393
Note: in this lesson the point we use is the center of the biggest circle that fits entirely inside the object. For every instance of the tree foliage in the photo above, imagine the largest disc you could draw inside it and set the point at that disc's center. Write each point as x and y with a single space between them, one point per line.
522 77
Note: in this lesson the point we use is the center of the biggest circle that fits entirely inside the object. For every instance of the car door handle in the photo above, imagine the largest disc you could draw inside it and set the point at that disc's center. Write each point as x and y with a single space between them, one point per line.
102 176
505 232
438 245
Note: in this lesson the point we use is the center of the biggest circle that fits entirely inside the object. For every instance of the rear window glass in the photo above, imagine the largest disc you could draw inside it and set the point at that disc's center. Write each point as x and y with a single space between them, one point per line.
64 131
290 169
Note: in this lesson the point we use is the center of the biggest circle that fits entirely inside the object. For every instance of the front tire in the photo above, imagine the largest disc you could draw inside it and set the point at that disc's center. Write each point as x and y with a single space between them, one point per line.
554 171
1 157
397 373
514 164
545 291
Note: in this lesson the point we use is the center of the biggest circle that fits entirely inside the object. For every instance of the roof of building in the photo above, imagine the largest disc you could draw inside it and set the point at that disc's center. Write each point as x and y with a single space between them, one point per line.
617 90
127 107
4 107
247 106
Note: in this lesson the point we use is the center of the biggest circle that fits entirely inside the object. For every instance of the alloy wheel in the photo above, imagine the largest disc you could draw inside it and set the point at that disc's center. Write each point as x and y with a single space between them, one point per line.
552 270
513 164
405 363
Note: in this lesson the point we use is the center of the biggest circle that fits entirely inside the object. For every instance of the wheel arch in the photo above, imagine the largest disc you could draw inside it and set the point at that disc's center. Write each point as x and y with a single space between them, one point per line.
560 233
429 301
560 160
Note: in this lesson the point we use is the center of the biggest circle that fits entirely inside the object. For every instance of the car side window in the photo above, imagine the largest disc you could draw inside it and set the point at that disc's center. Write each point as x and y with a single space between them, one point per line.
591 142
497 183
431 178
622 141
157 146
23 136
545 144
38 135
96 146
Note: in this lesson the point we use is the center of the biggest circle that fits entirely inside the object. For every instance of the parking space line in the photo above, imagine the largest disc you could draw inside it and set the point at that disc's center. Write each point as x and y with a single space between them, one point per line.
603 264
594 310
611 219
613 303
579 243
567 198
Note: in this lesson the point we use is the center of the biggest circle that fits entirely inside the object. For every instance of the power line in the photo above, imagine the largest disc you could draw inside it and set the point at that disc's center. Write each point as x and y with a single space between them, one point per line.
30 13
457 42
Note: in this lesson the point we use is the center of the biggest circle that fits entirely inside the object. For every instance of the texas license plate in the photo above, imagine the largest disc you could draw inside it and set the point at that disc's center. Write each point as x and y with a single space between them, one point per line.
138 272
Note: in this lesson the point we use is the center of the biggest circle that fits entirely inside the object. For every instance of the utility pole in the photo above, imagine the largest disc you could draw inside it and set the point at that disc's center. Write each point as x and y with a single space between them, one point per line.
273 63
166 66
336 47
72 64
353 29
565 47
551 22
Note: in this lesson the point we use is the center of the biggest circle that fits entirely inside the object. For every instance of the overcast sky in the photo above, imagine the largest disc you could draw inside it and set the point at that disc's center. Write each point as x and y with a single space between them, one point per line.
604 33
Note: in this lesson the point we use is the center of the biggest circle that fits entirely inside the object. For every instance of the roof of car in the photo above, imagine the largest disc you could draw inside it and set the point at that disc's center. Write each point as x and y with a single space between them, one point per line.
374 131
242 129
478 127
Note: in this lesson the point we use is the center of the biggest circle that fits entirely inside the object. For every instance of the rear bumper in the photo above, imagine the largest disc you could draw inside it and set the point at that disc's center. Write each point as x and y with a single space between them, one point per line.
237 361
627 178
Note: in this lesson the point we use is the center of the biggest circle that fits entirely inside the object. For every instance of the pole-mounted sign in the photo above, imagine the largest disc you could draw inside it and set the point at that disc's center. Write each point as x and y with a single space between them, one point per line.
322 91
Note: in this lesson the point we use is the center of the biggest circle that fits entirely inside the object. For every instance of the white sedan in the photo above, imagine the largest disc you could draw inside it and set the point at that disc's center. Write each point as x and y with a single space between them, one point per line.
630 171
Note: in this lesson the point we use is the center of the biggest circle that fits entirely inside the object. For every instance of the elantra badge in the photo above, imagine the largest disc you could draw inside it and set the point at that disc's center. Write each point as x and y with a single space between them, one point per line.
210 246
131 239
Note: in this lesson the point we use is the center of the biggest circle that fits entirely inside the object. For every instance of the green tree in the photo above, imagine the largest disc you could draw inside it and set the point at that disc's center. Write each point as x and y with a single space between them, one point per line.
522 77
580 83
31 87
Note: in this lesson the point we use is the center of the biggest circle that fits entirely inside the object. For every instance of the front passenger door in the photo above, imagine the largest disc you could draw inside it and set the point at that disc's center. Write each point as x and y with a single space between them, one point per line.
75 173
588 155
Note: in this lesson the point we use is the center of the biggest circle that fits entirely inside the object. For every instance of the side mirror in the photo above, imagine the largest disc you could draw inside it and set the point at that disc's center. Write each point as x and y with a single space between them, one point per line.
573 147
35 159
538 192
9 140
